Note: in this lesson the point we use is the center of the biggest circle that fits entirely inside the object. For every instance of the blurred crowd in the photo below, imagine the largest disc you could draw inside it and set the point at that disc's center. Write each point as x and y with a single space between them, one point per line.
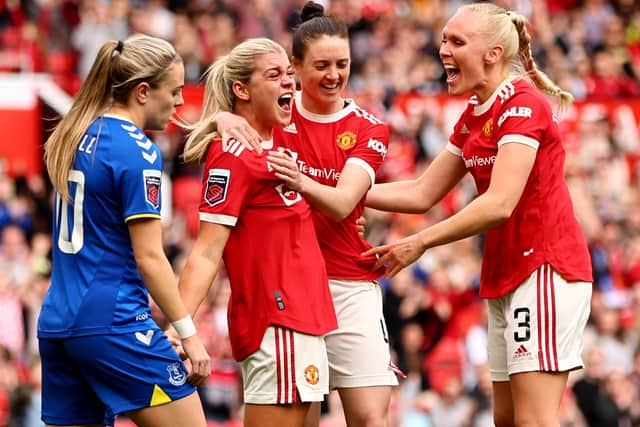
435 319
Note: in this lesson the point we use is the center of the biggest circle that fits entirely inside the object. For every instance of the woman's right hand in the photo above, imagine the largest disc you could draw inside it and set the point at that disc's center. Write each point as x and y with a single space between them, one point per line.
231 126
199 358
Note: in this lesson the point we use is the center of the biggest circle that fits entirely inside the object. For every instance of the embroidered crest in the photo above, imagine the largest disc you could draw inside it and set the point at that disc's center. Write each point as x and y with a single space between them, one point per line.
177 375
312 374
487 128
217 185
346 140
152 179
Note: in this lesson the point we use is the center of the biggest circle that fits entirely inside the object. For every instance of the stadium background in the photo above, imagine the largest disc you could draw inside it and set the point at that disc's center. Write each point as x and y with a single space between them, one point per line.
436 321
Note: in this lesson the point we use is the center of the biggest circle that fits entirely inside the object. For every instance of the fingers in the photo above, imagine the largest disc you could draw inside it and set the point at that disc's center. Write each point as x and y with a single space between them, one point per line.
244 134
200 371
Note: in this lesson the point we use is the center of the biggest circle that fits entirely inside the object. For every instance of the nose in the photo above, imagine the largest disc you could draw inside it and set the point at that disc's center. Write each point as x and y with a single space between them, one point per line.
287 80
443 51
180 100
332 73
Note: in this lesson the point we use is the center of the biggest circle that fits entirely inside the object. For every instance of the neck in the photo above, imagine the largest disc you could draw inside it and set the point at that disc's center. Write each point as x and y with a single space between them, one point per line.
315 107
122 112
489 85
263 129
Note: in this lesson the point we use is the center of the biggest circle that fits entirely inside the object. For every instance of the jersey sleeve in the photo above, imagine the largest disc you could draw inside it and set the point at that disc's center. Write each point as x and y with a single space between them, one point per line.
523 118
138 174
226 186
454 146
371 149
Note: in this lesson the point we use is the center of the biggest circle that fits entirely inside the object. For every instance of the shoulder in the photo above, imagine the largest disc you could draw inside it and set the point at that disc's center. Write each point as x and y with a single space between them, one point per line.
234 156
131 145
520 99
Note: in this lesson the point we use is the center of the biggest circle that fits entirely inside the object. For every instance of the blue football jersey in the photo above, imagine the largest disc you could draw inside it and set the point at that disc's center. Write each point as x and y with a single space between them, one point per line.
95 284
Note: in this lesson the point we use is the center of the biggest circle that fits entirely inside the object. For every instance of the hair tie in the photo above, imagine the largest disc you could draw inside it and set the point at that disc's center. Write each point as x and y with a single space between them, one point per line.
120 46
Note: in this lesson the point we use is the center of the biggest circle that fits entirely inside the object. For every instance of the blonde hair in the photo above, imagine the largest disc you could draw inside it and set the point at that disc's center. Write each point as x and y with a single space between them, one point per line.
118 68
509 29
238 65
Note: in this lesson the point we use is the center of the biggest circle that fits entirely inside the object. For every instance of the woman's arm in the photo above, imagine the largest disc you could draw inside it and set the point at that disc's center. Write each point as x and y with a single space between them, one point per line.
420 194
509 177
203 264
334 202
156 272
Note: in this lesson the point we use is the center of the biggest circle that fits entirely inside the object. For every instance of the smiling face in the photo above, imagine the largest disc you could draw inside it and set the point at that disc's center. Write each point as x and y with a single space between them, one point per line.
324 73
165 98
270 91
463 52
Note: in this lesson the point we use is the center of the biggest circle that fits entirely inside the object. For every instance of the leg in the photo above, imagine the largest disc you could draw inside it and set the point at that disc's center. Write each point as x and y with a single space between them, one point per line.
313 415
502 404
359 355
536 398
185 412
366 406
275 415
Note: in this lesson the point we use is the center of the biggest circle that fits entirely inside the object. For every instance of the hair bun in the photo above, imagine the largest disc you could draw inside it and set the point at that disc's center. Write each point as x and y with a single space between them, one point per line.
311 10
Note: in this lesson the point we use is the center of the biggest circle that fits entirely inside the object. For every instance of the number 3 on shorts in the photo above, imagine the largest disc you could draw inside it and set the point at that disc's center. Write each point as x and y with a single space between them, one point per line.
523 317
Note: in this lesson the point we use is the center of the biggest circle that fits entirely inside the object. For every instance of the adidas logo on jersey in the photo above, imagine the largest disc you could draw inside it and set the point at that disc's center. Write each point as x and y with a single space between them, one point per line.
521 352
291 128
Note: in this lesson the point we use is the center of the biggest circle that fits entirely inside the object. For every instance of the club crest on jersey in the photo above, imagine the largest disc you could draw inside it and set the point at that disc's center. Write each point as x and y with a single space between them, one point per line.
217 185
152 179
312 374
487 128
289 196
346 140
177 375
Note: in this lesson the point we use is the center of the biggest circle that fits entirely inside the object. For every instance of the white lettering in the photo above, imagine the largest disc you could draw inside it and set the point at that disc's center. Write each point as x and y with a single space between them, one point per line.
378 147
87 149
476 161
329 174
515 112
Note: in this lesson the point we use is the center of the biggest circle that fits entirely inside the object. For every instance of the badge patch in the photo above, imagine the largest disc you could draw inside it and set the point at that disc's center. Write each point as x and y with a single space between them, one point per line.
346 140
217 185
487 129
152 180
312 374
177 375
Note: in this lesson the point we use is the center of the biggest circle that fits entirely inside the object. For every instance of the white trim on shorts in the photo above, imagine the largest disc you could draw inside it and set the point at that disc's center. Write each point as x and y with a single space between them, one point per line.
539 326
288 364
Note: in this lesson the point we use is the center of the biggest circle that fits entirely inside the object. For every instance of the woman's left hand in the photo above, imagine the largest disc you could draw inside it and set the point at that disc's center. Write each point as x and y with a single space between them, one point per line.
396 256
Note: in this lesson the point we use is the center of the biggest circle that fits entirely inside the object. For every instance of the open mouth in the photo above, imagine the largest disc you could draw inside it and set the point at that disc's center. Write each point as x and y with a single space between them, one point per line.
452 73
284 102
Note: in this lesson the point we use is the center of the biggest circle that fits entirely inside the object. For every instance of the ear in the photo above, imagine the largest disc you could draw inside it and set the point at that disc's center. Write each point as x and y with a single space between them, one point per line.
141 92
494 54
240 90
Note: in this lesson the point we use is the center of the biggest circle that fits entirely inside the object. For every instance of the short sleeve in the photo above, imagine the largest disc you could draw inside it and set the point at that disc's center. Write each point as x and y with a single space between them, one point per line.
138 172
371 149
523 118
226 186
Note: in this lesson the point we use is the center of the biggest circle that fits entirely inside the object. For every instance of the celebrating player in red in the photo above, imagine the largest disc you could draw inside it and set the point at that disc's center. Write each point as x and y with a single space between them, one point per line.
536 270
280 305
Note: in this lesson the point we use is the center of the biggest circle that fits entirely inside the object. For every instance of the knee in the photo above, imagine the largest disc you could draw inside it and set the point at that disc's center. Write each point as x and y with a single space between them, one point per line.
368 419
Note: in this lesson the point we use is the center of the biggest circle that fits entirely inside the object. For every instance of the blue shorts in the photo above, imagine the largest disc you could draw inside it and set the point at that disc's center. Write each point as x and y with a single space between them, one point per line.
89 380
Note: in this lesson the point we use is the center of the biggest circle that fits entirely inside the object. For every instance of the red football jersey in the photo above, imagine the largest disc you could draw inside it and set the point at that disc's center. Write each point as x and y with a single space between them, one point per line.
272 256
325 144
543 227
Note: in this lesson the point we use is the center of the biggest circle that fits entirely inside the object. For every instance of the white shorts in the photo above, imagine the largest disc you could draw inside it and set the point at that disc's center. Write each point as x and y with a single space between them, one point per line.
538 326
358 350
287 361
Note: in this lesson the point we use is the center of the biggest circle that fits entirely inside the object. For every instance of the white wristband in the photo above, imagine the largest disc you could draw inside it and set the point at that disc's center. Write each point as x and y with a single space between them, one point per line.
184 327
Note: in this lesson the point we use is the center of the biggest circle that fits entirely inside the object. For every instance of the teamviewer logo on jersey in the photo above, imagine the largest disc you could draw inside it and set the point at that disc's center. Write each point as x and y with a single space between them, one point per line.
217 185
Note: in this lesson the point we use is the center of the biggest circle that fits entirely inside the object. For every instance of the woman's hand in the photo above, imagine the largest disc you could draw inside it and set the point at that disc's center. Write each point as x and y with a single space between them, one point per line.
285 168
231 126
397 255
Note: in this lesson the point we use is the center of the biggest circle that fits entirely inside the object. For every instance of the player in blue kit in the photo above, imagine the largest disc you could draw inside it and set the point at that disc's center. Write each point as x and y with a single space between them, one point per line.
102 353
